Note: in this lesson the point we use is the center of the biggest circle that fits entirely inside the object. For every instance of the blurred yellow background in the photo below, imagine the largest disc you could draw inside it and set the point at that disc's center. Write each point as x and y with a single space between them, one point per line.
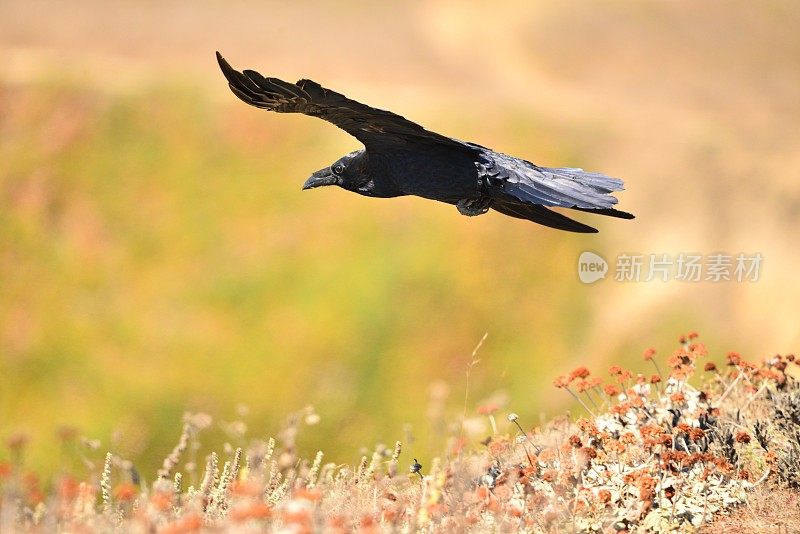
157 254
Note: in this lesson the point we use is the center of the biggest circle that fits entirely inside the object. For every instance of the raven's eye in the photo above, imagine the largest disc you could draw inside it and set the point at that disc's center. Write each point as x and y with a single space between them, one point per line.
338 168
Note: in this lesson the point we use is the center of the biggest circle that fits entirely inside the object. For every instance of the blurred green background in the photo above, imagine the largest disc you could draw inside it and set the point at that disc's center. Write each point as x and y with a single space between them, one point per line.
157 254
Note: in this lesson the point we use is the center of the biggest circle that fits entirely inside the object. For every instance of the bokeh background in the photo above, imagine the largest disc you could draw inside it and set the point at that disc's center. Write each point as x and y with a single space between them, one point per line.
157 254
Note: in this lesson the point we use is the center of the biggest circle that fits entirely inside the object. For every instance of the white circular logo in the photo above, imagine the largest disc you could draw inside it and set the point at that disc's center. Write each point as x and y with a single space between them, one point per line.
591 267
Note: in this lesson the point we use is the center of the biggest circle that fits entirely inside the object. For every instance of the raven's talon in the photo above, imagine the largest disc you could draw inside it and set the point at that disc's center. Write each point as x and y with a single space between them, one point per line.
474 206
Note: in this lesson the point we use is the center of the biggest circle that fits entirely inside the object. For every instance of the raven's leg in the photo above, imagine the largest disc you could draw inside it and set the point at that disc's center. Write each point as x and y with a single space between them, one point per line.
474 206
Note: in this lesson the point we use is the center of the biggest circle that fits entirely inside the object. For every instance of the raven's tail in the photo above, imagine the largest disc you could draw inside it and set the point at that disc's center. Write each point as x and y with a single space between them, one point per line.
592 185
588 183
590 192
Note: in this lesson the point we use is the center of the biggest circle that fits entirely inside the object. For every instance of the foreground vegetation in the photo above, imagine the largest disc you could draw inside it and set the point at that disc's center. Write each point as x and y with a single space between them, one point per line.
652 453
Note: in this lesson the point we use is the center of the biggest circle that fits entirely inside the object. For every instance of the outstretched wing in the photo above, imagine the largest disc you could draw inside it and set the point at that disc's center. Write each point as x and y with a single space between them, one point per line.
373 127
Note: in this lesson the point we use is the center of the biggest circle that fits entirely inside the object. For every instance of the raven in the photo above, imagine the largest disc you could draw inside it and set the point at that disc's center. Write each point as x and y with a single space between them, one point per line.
403 158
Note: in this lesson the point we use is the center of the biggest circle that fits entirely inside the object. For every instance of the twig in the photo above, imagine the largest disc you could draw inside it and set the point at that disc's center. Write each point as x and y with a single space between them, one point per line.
756 394
577 398
730 388
466 389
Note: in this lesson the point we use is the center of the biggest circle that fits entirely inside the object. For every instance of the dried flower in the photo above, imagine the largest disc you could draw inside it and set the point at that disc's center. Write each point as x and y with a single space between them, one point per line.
561 382
488 409
255 510
125 492
579 372
678 397
624 376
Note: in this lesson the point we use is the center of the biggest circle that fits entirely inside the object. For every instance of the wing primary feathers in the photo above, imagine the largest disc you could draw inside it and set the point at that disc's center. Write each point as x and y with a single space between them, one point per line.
261 83
609 212
373 127
275 87
540 214
289 88
247 97
234 77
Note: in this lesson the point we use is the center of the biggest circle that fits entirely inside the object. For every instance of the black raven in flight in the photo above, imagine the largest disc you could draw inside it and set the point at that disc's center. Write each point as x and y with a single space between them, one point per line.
403 158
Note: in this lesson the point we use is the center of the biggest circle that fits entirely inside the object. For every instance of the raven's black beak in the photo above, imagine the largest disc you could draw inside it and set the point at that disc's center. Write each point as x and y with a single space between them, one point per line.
320 178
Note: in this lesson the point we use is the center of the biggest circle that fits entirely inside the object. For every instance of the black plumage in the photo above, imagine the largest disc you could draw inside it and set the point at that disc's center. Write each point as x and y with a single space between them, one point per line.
403 158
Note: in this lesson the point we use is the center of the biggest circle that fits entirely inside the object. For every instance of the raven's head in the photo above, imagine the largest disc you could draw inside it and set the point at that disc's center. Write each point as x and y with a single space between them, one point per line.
350 172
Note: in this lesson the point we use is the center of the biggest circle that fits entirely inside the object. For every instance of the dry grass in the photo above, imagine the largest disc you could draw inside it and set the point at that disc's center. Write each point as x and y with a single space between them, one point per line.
654 454
768 509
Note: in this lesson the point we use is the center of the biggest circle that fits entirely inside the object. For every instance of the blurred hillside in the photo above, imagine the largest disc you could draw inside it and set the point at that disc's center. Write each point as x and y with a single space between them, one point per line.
157 254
